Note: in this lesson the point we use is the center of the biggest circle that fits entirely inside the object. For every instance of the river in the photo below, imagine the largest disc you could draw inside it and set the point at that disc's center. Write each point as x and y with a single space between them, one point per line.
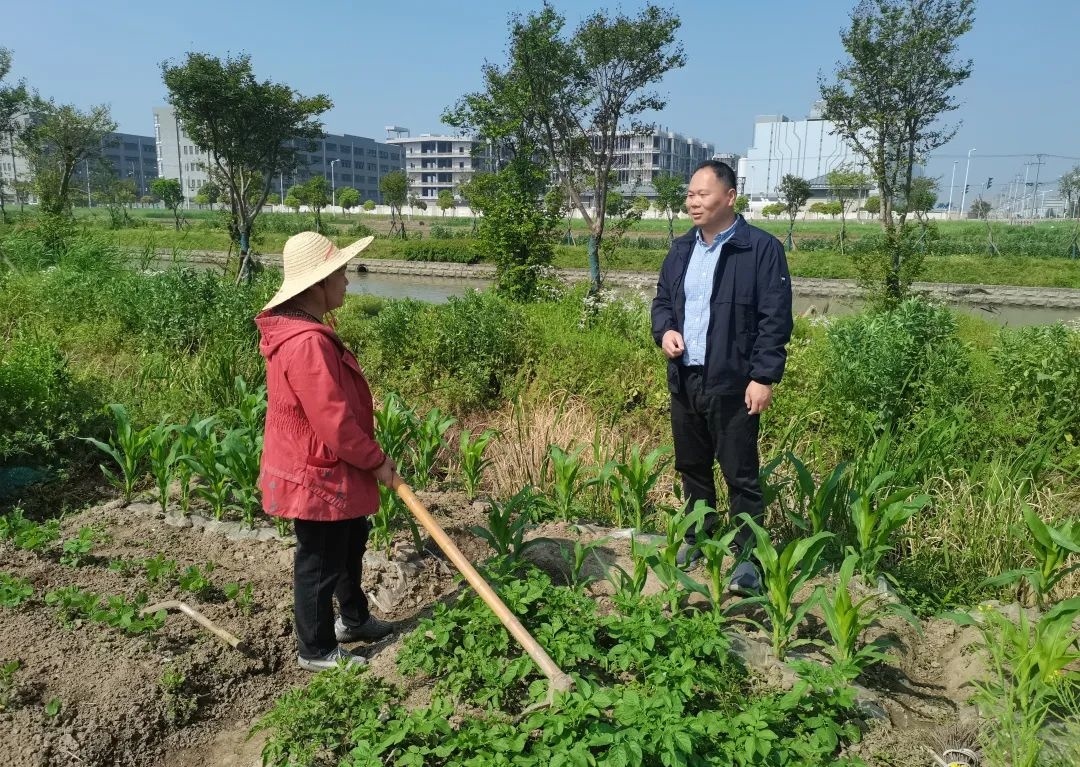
440 289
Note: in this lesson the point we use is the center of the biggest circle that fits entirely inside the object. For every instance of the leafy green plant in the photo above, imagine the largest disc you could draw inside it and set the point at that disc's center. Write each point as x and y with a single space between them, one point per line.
127 449
159 570
815 504
14 590
124 615
53 708
847 620
216 482
783 574
26 534
473 462
639 475
196 580
566 480
242 596
163 449
874 521
429 439
77 549
195 432
1030 663
394 425
72 603
508 522
1052 548
241 454
180 706
7 683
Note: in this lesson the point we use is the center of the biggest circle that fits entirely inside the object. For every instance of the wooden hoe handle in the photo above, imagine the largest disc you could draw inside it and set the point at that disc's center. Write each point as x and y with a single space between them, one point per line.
559 680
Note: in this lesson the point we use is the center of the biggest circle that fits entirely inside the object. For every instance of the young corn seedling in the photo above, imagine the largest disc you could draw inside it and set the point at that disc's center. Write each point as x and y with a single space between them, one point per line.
816 503
629 587
391 517
241 452
875 521
430 438
394 424
566 480
250 409
77 549
473 461
507 524
215 479
188 437
783 574
579 556
639 475
846 622
128 449
163 448
609 482
1052 548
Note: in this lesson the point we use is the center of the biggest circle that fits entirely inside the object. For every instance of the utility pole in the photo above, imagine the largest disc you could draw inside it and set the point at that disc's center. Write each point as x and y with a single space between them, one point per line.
333 186
1035 192
952 186
967 170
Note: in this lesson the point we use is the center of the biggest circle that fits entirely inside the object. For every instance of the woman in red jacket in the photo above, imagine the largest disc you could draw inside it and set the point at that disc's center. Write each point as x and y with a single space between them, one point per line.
320 461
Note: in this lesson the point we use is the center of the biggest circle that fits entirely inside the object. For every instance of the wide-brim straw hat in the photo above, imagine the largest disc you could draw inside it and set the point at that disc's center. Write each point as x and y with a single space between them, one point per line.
308 258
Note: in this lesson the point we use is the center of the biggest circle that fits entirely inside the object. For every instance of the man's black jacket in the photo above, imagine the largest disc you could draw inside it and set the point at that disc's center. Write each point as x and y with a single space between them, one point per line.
750 312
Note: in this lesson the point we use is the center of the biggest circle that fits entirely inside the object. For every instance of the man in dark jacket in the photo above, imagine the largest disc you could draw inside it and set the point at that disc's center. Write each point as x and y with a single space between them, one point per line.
722 316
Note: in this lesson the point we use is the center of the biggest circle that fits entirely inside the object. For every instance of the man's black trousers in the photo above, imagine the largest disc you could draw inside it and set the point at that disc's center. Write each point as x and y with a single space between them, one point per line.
716 427
328 562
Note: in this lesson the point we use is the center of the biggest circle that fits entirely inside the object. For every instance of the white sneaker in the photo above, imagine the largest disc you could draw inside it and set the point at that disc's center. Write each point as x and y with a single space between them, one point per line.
334 658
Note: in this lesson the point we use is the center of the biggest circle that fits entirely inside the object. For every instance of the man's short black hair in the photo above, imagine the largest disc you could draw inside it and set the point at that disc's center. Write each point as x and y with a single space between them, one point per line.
722 170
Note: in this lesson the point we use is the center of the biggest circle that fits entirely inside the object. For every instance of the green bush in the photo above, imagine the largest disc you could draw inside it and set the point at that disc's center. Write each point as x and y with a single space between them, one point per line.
1040 370
448 251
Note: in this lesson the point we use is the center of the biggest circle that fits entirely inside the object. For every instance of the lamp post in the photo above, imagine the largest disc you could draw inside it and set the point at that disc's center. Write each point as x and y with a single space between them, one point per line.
967 170
86 167
333 186
952 186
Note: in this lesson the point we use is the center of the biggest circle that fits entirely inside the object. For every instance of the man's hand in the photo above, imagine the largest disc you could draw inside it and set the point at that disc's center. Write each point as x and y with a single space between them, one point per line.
758 397
672 345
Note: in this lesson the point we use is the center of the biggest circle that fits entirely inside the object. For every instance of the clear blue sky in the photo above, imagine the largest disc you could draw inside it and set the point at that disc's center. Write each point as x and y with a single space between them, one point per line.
384 63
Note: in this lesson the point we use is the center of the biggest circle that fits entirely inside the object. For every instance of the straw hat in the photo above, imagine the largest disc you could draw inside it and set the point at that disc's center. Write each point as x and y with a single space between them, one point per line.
308 258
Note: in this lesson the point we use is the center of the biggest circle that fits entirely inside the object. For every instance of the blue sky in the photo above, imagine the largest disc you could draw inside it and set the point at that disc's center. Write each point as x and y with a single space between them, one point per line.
384 63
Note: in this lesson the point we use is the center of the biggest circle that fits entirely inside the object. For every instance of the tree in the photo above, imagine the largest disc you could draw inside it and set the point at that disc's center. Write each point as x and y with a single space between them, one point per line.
845 184
519 224
292 201
55 141
252 130
670 198
571 97
794 192
273 199
369 205
886 101
773 209
348 198
1069 188
170 193
921 199
13 98
446 200
210 193
394 187
872 204
742 204
979 209
316 195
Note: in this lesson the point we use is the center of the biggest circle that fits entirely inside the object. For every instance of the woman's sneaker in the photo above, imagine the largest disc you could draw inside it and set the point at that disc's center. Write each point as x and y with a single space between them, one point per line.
334 658
371 630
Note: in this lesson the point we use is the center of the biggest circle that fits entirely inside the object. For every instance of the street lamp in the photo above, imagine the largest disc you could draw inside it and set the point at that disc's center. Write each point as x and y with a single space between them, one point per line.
333 186
967 170
952 186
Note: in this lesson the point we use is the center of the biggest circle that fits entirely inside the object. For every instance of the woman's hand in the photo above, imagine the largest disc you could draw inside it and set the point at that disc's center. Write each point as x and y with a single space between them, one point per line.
387 474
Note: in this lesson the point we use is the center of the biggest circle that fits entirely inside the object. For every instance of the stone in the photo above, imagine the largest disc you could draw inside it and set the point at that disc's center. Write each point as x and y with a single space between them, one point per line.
146 509
869 704
177 520
243 533
198 521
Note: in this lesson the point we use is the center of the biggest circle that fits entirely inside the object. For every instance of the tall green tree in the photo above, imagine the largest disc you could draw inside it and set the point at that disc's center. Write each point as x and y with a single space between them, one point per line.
845 184
13 98
394 187
348 197
170 193
210 193
1069 188
887 100
572 95
446 200
979 209
794 192
316 195
55 141
671 197
252 129
742 204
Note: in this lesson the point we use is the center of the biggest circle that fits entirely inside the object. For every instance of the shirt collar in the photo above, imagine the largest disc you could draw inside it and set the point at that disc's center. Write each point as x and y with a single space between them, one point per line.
721 237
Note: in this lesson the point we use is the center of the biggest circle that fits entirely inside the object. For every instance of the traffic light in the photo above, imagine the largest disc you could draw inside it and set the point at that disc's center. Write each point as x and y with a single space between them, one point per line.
967 188
989 182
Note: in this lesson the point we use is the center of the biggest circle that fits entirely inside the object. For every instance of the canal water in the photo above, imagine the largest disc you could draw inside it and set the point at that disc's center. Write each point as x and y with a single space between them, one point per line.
439 290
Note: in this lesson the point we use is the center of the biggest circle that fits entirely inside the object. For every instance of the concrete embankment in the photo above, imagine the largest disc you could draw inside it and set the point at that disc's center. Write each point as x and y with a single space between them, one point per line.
985 295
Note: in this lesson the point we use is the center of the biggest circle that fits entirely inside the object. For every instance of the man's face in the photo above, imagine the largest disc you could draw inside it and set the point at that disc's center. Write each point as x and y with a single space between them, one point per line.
709 200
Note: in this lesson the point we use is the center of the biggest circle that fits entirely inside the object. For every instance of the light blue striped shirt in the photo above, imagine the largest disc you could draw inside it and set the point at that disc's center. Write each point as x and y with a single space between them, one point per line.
697 287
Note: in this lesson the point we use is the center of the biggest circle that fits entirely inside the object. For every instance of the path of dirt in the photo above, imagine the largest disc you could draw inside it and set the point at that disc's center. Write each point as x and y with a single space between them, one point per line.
115 710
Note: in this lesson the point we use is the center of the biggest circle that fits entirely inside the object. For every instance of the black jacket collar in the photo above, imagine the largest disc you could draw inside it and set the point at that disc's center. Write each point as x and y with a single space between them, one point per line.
740 237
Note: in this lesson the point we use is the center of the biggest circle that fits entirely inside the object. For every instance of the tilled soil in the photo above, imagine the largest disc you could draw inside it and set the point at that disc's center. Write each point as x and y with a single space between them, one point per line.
116 710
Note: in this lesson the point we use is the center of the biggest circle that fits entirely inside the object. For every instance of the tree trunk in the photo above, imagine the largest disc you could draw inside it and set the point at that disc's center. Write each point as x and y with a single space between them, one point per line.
594 263
244 273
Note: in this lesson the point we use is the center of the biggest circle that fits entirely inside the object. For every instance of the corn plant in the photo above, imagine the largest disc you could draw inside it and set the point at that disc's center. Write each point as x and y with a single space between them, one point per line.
629 587
215 479
846 621
128 449
188 437
392 516
639 475
579 555
14 590
163 448
608 482
77 549
1030 664
783 573
394 424
1052 548
815 503
566 480
714 547
508 522
473 461
874 521
250 409
241 453
429 438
